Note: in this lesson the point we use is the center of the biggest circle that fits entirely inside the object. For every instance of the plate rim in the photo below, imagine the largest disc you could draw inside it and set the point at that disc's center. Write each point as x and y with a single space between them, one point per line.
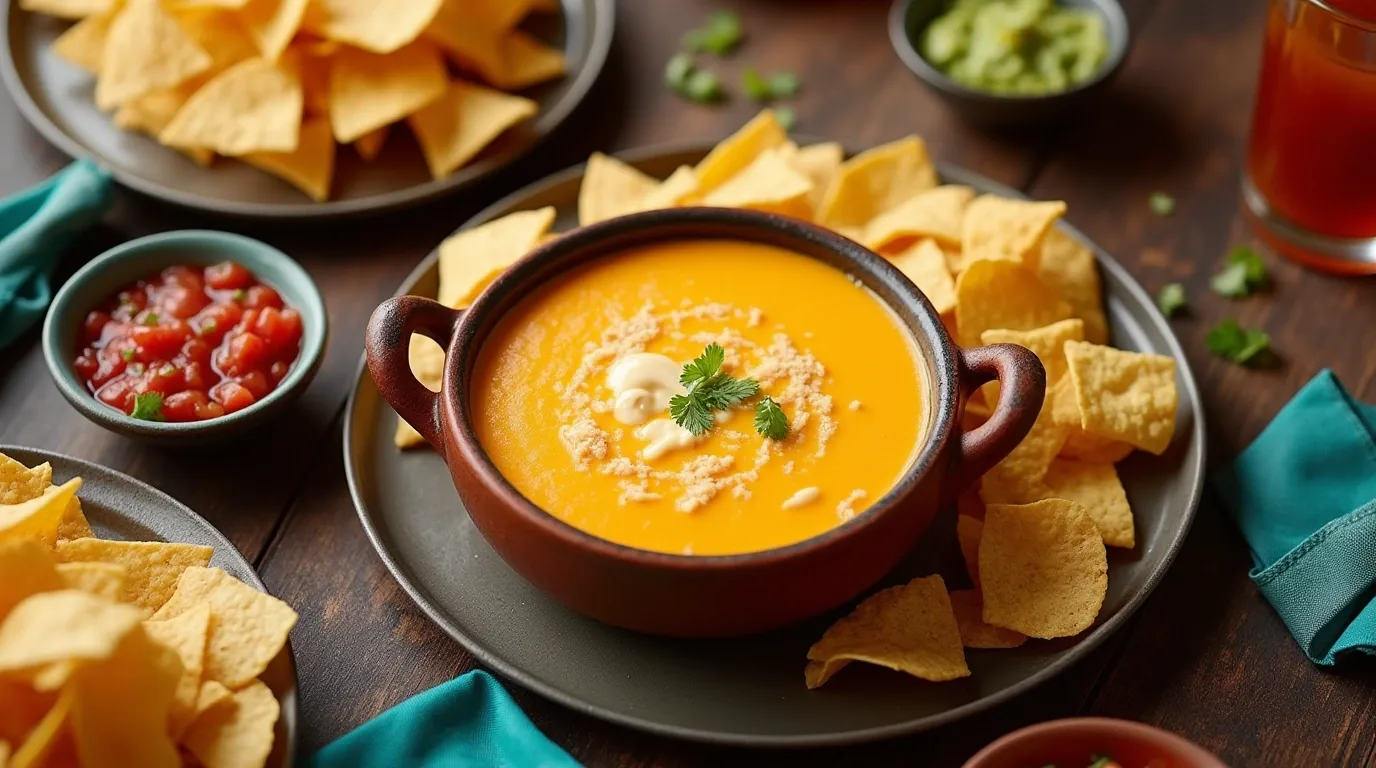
601 32
223 544
1089 642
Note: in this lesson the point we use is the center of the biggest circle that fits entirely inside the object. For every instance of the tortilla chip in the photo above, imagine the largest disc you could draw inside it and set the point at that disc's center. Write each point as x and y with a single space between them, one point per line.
309 168
1122 395
248 628
526 61
145 49
119 714
39 517
468 39
26 569
1068 268
968 606
464 120
60 626
876 181
1046 342
1004 229
610 188
427 365
212 695
151 112
83 44
502 15
769 183
37 748
967 533
1001 294
1095 487
369 145
254 106
680 185
74 524
186 635
369 91
371 25
221 35
1018 478
819 163
154 566
68 9
239 736
925 265
1043 569
739 150
473 258
105 580
909 628
272 24
937 214
18 483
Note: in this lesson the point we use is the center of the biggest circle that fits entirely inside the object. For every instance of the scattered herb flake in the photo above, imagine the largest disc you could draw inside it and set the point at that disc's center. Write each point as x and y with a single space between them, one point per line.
148 407
783 84
786 117
719 35
677 70
1171 299
756 87
1161 204
770 420
239 294
1232 342
151 319
127 354
702 86
208 326
1244 273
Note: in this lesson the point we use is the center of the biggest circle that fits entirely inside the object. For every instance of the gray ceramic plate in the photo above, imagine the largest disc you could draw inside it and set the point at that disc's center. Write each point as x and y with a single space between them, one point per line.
747 691
122 508
56 97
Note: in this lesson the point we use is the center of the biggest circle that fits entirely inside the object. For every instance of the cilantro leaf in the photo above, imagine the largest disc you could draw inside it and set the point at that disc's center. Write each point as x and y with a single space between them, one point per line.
691 413
148 407
677 70
1171 299
1161 204
704 367
755 86
719 35
1232 342
783 84
770 420
1244 273
786 116
702 86
722 391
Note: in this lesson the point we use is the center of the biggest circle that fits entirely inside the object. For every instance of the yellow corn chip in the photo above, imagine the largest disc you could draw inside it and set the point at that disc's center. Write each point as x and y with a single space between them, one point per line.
212 695
473 258
24 709
768 184
18 483
876 181
739 150
248 628
68 9
221 35
236 737
681 184
370 25
925 265
187 635
152 112
968 606
1002 294
1124 395
967 533
65 625
42 741
819 163
464 120
1043 569
74 524
202 4
369 145
101 579
83 44
154 566
369 91
427 364
272 24
1017 479
1080 444
145 49
610 188
5 752
1046 342
525 62
1068 268
502 15
254 106
26 568
120 709
39 517
1001 228
310 167
937 214
909 628
1095 487
468 39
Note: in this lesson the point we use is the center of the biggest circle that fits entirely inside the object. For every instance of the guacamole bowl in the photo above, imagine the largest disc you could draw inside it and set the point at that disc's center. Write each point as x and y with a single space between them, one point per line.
909 21
702 595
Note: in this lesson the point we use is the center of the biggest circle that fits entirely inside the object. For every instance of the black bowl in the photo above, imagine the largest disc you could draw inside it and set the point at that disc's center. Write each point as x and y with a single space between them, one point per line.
908 18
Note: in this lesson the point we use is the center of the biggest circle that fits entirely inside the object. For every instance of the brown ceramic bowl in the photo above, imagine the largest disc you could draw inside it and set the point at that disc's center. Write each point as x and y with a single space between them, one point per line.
703 596
1074 742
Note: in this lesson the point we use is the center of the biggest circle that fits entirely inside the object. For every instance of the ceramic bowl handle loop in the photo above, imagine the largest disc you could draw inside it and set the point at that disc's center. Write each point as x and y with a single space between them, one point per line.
1022 390
388 347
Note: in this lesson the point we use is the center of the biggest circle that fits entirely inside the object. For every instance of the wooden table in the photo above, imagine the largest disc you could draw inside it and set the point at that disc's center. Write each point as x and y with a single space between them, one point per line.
1205 657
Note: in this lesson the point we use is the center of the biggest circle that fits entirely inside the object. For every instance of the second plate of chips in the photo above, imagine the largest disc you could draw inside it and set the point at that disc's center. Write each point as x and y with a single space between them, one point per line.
59 99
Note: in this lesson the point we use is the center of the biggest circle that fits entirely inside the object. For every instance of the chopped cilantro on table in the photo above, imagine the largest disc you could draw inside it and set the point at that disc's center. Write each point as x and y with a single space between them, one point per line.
1171 299
718 36
783 84
770 420
148 407
1161 204
677 70
786 117
1232 342
702 86
780 85
1243 274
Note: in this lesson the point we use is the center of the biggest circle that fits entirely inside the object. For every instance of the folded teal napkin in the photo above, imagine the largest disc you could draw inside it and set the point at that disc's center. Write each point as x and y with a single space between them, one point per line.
1304 495
468 722
35 225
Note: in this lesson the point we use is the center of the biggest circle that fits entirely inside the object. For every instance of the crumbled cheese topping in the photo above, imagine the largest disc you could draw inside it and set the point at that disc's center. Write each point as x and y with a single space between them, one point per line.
846 509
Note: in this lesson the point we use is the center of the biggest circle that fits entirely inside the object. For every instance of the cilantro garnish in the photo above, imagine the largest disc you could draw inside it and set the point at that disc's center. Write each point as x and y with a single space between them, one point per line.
1161 204
1245 272
783 84
148 407
779 85
1232 342
770 420
709 389
677 70
719 35
1171 299
702 86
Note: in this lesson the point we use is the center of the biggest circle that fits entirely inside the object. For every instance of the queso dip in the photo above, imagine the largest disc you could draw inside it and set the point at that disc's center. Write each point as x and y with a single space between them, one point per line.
570 396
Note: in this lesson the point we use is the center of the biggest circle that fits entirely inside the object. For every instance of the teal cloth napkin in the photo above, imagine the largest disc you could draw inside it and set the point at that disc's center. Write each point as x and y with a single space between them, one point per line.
468 722
35 226
1304 495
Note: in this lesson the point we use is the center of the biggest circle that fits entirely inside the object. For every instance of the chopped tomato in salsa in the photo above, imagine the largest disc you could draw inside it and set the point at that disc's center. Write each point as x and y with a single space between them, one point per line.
189 343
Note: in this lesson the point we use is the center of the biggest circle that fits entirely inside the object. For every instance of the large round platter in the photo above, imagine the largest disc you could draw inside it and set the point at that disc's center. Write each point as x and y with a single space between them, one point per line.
56 97
747 691
122 508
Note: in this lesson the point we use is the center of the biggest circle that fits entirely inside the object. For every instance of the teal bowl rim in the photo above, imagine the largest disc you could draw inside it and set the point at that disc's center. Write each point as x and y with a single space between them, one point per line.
311 304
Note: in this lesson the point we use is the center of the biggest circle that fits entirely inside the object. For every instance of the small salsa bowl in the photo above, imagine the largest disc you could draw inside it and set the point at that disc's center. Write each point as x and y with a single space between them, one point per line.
909 18
111 271
695 595
1073 743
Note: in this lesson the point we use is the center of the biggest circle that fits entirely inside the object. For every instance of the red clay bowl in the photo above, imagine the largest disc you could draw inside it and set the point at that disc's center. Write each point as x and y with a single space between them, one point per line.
686 595
1074 742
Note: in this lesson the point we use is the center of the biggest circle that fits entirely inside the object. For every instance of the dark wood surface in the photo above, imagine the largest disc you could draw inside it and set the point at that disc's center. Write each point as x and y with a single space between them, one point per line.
1206 656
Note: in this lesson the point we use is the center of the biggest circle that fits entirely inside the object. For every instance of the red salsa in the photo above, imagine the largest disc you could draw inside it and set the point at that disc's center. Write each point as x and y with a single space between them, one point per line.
189 343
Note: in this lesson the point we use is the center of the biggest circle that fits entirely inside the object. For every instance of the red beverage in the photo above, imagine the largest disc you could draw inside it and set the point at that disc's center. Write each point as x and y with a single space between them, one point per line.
1312 161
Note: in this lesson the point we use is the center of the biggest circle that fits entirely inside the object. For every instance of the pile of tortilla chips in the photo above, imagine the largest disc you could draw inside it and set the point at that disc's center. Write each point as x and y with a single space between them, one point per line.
1033 535
124 653
277 83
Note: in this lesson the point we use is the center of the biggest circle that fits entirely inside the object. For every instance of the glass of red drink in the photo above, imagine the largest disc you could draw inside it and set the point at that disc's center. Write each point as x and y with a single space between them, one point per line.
1310 182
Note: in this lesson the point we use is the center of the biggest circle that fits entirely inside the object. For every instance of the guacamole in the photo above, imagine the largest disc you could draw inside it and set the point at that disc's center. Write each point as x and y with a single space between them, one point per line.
1018 47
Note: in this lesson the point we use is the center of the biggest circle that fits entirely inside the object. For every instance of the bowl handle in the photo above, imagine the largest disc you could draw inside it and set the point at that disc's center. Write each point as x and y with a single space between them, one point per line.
388 345
1022 390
